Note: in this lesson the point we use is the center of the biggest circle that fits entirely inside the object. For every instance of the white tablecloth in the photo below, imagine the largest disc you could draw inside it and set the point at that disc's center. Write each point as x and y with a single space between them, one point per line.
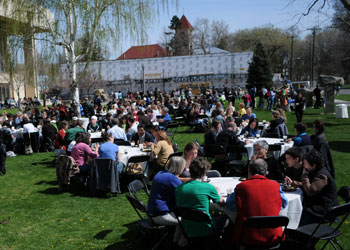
292 211
270 141
126 152
95 135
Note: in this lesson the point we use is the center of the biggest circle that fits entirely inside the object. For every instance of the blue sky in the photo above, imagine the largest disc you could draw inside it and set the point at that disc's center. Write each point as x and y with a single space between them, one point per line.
238 14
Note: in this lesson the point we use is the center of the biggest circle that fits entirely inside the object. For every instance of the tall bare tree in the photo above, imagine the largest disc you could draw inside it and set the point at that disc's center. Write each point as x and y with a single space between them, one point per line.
64 20
201 35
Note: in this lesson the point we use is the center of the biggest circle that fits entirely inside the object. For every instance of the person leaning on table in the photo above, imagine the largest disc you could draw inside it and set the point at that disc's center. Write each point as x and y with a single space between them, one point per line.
109 150
256 196
294 168
163 149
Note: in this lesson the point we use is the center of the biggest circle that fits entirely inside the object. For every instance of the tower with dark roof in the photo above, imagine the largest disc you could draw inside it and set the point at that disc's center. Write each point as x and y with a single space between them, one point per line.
182 43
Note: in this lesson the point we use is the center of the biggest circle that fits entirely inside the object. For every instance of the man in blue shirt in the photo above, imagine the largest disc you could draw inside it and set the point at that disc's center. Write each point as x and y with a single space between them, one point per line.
249 115
116 131
165 117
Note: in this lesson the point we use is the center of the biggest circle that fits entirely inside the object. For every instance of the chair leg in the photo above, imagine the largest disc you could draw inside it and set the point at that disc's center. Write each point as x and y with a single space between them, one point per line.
160 241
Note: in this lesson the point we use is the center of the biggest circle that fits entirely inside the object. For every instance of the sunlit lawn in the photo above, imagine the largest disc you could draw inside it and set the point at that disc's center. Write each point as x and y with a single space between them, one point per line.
44 218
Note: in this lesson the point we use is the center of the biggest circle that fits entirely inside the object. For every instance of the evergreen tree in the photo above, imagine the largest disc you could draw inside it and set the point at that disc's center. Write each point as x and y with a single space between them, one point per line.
259 72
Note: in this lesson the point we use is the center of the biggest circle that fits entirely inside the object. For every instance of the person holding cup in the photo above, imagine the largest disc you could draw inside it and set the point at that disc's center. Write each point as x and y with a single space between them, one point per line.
142 136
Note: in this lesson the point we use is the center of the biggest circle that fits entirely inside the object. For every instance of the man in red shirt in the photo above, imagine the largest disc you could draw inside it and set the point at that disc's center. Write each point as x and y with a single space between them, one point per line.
257 196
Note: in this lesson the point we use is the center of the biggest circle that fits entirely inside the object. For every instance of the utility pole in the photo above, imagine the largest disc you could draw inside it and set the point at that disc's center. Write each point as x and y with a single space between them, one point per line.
291 58
314 29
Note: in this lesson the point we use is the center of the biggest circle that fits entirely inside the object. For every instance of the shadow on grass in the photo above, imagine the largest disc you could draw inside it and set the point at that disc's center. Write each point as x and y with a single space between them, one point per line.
53 183
101 235
340 146
130 239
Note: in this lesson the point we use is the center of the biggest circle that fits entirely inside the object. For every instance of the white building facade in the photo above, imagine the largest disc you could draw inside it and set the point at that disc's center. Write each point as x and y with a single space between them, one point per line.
167 73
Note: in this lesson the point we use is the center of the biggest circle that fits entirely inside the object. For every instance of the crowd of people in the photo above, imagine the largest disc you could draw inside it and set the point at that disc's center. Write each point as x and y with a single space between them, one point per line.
143 119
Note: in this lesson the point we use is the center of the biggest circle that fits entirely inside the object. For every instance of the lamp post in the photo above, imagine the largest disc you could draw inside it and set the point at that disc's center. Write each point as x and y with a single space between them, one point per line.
143 79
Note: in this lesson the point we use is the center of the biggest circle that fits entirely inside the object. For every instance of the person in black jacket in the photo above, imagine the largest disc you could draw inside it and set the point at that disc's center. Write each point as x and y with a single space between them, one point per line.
210 137
320 191
299 107
318 139
141 136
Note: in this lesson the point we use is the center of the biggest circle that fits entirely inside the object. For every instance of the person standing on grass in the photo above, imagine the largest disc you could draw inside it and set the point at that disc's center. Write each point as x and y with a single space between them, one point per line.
317 93
299 107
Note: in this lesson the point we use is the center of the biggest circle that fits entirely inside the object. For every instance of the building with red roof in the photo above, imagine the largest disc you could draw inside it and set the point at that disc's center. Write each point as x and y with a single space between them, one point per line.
143 51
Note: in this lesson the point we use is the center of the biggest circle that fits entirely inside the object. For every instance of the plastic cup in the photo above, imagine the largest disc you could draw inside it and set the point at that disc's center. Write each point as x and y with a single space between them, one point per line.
140 146
132 144
285 138
257 136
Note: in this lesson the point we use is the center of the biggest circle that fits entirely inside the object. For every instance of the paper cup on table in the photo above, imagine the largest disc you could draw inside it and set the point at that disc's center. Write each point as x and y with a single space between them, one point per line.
140 146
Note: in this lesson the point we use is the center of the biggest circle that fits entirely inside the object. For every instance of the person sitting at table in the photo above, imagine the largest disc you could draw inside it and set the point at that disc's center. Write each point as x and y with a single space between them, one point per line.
198 194
318 139
19 119
241 110
302 139
49 135
294 167
109 150
59 141
7 136
163 149
143 119
142 136
131 127
210 137
116 131
250 199
252 129
249 115
74 123
164 118
261 148
93 125
277 127
320 191
161 202
107 122
70 135
82 153
190 153
226 138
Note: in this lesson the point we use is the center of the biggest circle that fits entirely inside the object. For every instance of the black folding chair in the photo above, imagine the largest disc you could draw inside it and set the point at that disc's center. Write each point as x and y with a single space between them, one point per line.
239 167
195 215
171 129
264 222
148 226
137 185
275 150
213 173
121 142
97 140
328 232
172 155
344 193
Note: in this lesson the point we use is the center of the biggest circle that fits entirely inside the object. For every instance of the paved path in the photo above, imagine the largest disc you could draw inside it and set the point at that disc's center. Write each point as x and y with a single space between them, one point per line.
342 102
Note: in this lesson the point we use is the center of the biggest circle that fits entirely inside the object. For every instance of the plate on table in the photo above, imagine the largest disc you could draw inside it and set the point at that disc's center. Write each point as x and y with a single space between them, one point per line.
146 150
288 189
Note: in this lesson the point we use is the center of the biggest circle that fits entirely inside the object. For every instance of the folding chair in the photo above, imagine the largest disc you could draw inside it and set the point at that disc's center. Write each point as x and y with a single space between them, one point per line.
121 142
172 155
148 226
200 148
264 222
171 129
213 173
195 215
137 185
239 167
344 193
275 150
140 174
320 231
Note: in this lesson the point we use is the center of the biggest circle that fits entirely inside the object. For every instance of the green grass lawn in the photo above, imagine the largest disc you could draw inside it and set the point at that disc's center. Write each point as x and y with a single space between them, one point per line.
342 97
44 218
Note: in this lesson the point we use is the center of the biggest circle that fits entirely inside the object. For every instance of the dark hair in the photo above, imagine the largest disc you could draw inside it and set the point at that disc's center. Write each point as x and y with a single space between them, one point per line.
77 136
155 128
131 119
319 125
294 152
141 126
25 121
258 166
254 120
46 122
106 136
84 137
6 123
314 158
199 167
190 146
63 124
235 113
215 123
300 127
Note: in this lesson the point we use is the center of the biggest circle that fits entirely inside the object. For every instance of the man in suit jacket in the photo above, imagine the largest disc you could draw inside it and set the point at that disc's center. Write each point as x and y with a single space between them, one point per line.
141 136
250 199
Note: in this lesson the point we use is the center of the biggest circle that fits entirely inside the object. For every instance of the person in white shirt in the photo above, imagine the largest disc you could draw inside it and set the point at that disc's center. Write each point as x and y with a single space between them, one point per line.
116 131
132 127
28 127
